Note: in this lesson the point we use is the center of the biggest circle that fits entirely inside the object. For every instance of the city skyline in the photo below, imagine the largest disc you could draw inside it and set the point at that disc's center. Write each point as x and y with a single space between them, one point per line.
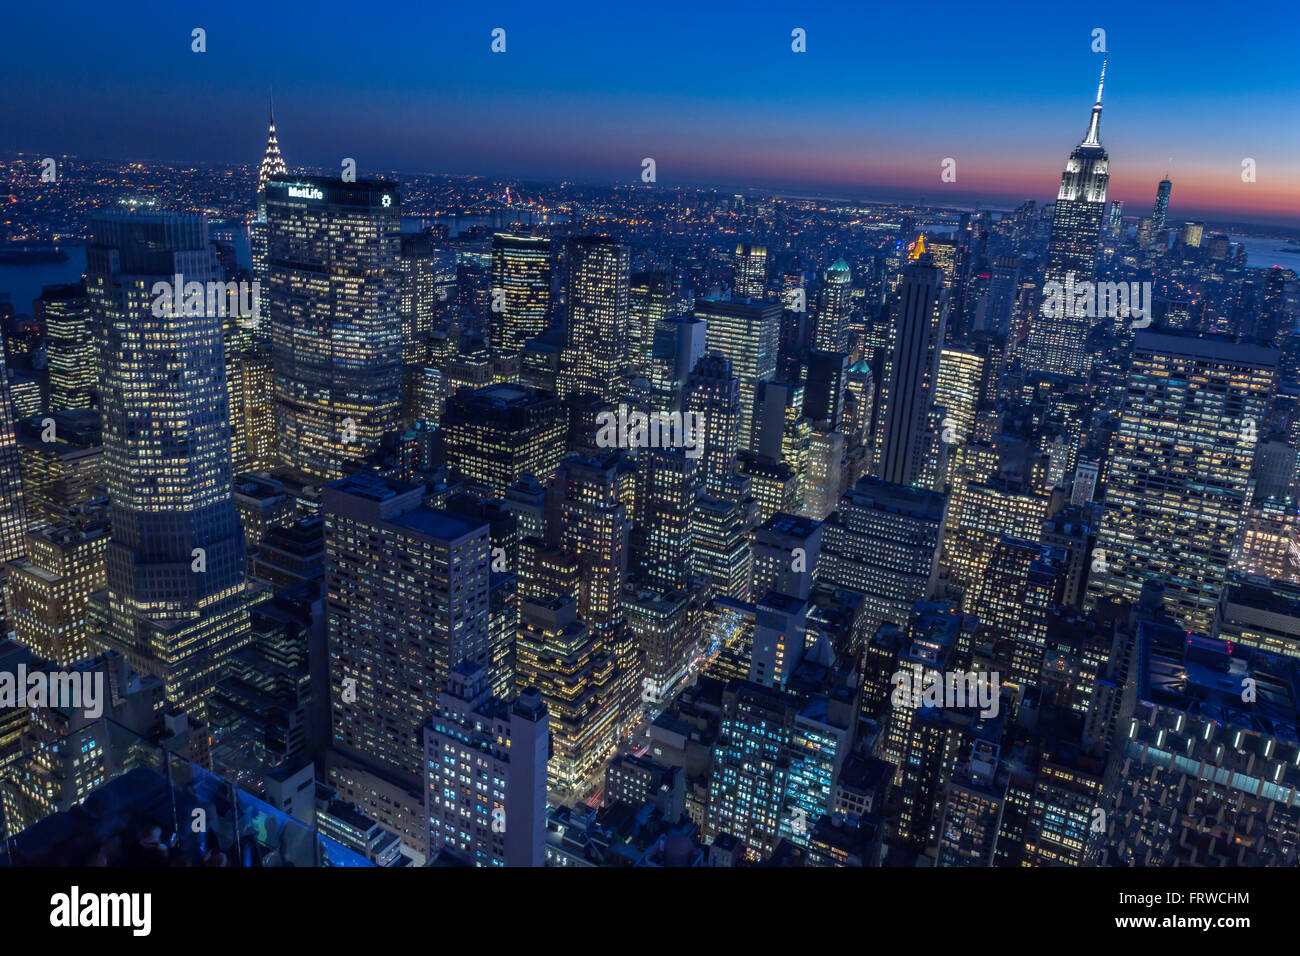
736 455
722 101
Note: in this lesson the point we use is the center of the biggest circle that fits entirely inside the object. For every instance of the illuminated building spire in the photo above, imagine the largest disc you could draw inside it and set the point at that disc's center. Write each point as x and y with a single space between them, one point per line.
1094 125
272 161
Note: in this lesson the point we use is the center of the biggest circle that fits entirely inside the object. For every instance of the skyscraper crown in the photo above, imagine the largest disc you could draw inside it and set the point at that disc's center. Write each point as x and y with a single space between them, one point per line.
272 161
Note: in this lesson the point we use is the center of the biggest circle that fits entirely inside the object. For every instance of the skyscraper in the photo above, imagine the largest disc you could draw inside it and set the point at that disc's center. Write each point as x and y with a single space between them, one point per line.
595 342
575 672
751 271
833 309
406 599
1056 342
176 603
272 165
713 394
333 296
521 290
747 333
13 513
70 345
1180 468
884 541
911 371
500 745
496 435
1162 204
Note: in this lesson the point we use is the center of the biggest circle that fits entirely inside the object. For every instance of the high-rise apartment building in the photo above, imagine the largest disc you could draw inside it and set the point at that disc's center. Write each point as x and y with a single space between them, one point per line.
485 797
406 598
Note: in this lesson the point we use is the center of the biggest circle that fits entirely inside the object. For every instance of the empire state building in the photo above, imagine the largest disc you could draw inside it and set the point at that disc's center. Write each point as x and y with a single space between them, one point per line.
1057 342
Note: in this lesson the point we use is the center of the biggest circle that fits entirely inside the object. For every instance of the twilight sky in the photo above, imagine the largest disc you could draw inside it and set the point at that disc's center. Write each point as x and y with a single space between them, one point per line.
712 91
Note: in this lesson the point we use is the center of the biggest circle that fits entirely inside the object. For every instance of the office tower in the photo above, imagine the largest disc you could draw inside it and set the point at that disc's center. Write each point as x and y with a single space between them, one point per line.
70 345
665 627
668 483
773 484
333 294
833 309
24 395
720 548
786 548
588 519
1013 599
780 431
751 271
251 373
485 797
962 385
651 300
176 604
679 344
746 333
291 555
884 541
521 290
1162 205
422 288
496 435
406 598
996 305
13 514
595 341
923 741
1180 468
272 161
503 584
575 672
1056 342
526 500
264 712
49 590
272 165
61 457
1115 221
713 395
980 512
972 811
825 476
919 314
823 401
1068 788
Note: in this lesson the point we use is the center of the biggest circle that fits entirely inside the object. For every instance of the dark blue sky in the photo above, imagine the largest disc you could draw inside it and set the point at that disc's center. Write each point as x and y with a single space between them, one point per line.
712 92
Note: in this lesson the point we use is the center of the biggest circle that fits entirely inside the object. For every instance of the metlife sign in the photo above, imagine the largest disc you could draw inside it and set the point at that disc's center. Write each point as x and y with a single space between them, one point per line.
305 192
